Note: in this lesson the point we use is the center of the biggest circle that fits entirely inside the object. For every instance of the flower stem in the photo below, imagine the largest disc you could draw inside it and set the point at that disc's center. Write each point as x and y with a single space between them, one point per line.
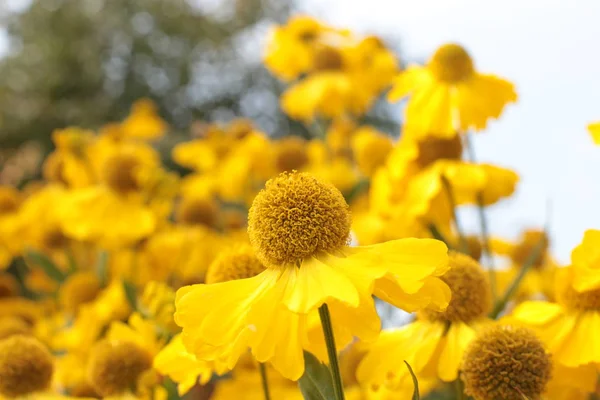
265 381
514 285
338 387
459 389
485 232
464 247
485 238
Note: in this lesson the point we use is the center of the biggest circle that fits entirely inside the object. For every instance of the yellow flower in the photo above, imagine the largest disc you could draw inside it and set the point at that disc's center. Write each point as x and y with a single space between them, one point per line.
585 260
181 252
370 148
505 362
308 265
448 95
143 122
568 326
245 384
143 333
435 343
183 367
291 49
69 164
594 130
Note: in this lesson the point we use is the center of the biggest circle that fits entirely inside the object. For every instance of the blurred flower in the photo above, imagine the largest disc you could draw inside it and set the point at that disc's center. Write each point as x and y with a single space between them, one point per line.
448 96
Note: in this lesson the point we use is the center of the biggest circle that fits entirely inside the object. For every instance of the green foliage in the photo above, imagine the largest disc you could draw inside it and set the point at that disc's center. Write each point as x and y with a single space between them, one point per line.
83 62
316 383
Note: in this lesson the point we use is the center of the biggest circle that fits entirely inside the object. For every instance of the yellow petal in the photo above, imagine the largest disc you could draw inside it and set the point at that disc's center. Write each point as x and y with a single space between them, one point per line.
458 337
594 130
315 283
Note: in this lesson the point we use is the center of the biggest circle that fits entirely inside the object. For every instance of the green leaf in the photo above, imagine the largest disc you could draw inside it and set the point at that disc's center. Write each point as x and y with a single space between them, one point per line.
316 383
130 294
102 267
171 388
50 269
416 395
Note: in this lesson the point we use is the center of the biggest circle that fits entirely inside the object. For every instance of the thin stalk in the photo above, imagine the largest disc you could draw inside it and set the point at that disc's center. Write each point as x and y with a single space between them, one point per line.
460 395
483 223
338 387
514 285
264 380
435 232
464 246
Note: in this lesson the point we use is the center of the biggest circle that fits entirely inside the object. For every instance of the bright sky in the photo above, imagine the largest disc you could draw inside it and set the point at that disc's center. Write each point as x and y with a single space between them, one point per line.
548 48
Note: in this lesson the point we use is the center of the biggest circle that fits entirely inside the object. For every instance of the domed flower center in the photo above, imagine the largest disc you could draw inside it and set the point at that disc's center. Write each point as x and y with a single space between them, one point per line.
570 298
8 285
25 366
328 59
291 154
79 288
528 245
53 238
471 294
120 173
504 362
451 64
115 366
432 149
198 211
297 216
237 264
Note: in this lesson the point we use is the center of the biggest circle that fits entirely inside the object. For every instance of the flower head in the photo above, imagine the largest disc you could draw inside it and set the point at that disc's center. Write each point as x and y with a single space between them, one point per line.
26 366
115 366
296 217
240 263
505 362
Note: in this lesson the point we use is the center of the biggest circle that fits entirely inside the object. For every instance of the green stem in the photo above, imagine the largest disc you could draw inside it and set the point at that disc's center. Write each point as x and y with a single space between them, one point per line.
460 395
338 387
264 380
485 238
514 285
464 246
485 235
435 232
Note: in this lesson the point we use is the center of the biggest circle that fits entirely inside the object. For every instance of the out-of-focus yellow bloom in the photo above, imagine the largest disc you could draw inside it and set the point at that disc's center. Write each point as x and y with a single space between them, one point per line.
434 344
281 293
10 224
339 135
585 260
448 96
339 171
182 253
594 130
137 330
245 384
183 367
69 164
570 327
41 229
143 122
370 148
291 50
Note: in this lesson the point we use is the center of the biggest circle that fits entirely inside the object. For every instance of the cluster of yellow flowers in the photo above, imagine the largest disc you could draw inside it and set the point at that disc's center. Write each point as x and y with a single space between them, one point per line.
256 274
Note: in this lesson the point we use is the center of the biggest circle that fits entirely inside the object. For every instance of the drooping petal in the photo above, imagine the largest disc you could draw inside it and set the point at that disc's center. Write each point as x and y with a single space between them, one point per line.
458 337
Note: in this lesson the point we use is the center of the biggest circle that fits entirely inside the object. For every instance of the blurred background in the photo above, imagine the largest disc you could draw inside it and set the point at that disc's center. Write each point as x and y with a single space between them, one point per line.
84 62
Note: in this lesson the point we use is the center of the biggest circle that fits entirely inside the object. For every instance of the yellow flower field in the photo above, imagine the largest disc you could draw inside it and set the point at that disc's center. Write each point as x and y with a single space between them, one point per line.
264 267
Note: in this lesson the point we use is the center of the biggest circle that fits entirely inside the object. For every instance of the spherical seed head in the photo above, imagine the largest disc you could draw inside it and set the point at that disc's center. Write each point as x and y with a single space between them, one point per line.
328 59
432 149
120 173
12 325
198 211
506 362
25 366
570 298
240 263
53 238
297 216
115 366
291 154
451 64
79 288
471 294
